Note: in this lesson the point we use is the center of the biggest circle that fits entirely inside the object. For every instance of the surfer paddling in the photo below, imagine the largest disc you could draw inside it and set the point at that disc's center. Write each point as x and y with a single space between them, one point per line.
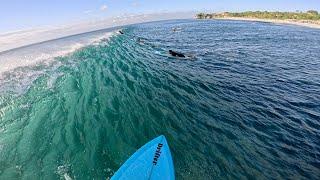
176 29
180 55
176 54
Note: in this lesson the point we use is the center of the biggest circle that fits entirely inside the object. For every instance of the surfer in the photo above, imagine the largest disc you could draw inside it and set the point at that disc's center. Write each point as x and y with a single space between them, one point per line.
176 54
121 32
176 29
140 40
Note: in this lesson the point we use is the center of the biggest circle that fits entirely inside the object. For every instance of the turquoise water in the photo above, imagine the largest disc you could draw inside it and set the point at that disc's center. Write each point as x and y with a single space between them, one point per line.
244 106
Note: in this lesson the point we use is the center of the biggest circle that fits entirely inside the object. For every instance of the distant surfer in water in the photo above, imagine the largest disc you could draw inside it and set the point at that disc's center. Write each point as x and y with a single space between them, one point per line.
176 54
140 40
121 32
176 29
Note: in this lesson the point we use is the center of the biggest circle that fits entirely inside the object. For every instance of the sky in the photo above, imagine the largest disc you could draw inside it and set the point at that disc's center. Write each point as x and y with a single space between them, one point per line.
27 14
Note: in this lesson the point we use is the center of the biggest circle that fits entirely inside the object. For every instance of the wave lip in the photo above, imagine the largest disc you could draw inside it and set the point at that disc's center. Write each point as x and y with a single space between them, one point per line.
33 54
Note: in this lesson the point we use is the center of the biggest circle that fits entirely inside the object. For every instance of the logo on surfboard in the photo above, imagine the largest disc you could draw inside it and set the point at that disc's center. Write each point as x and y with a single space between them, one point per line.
157 154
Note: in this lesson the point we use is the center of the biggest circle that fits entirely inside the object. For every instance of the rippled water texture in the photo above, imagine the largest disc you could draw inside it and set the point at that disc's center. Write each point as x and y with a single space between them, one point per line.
246 104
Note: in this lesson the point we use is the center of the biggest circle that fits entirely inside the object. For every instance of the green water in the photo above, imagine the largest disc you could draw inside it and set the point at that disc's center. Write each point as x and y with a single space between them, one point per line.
84 118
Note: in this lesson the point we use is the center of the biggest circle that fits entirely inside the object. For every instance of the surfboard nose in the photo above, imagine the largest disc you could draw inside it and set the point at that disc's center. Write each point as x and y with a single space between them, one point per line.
151 161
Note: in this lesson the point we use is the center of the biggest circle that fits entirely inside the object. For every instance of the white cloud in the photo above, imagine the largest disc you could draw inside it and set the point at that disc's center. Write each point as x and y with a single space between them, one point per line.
88 11
103 7
135 4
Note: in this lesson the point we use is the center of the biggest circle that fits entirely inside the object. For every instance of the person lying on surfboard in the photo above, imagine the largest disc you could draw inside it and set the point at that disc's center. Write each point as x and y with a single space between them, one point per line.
176 54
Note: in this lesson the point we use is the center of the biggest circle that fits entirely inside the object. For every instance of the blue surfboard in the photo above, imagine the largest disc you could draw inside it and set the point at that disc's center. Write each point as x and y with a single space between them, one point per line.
153 161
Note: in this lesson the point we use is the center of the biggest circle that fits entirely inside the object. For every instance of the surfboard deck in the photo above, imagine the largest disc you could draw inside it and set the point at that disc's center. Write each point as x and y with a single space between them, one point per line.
152 161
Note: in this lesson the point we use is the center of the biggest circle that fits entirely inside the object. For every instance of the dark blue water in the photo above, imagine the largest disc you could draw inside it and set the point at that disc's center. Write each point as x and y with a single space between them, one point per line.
245 104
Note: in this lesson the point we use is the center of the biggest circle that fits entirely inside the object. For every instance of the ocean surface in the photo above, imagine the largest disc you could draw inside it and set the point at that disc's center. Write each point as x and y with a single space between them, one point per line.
244 104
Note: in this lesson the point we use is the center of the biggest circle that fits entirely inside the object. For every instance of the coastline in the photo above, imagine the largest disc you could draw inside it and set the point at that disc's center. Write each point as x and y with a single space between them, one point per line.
304 23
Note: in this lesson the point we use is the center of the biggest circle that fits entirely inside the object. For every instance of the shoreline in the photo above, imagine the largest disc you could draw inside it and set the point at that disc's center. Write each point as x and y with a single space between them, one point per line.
304 23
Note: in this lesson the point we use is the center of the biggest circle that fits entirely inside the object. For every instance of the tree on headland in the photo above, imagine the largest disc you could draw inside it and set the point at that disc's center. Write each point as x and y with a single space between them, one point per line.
313 12
201 16
208 16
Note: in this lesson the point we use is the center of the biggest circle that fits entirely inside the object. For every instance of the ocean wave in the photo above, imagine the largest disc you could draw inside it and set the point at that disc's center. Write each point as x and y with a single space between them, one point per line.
232 113
20 67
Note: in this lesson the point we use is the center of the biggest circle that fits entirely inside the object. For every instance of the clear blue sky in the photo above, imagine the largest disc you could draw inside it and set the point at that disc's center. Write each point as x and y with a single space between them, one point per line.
22 14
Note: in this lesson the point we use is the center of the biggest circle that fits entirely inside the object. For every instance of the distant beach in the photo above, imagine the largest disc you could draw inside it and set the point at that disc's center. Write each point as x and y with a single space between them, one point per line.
305 23
309 18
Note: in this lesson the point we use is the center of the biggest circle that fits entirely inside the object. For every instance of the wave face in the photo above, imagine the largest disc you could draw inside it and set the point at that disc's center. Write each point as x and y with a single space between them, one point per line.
245 105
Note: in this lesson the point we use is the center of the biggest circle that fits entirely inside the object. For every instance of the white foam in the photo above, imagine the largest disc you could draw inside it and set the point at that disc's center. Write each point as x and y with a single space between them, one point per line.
63 172
67 177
